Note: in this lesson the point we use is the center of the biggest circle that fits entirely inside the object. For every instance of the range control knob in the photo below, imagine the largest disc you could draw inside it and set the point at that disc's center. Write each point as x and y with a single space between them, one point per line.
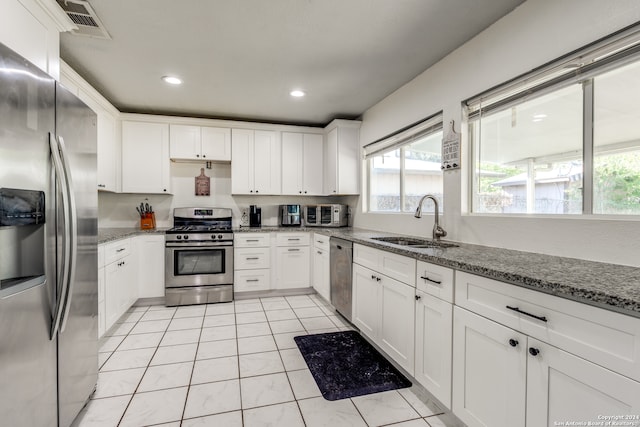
186 237
179 237
219 236
213 236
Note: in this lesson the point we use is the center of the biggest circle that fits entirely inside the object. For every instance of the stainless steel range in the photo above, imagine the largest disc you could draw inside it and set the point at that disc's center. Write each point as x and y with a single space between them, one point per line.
199 257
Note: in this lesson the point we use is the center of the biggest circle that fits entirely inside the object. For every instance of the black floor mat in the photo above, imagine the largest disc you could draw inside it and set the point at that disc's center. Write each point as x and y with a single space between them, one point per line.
345 365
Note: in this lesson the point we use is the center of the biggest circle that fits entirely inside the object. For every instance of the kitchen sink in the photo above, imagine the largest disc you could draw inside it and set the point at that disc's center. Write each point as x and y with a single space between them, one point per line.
415 243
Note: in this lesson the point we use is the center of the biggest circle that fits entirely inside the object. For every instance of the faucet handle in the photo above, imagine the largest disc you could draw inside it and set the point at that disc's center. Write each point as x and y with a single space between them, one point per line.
438 232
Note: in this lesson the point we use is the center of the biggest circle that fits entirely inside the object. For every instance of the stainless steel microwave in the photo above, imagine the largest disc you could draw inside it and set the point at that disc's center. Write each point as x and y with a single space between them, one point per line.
326 215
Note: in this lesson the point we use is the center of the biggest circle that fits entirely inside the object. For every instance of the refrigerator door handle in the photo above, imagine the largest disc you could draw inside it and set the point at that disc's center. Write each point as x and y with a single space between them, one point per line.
73 226
66 251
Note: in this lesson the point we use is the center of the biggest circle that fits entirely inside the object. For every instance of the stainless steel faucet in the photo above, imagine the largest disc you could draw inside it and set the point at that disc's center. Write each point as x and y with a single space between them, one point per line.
438 231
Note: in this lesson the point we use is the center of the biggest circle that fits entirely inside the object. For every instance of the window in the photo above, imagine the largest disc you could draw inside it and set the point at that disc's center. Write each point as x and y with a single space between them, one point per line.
563 139
404 167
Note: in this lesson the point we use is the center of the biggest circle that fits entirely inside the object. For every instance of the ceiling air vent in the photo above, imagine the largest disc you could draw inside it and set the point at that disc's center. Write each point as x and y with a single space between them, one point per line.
85 18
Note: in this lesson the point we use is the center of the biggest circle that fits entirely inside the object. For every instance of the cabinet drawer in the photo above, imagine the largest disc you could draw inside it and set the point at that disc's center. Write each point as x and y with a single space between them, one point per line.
320 241
398 267
435 280
606 338
116 250
252 240
251 258
292 239
252 280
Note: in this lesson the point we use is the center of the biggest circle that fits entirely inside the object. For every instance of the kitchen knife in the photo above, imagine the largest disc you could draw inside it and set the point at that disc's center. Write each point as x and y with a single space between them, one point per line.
139 211
146 208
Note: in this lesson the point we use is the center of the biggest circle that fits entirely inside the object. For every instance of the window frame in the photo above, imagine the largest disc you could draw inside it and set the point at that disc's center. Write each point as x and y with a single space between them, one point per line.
399 140
610 53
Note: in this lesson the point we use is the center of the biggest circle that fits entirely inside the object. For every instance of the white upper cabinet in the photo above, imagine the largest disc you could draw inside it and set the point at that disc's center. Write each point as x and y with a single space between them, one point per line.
108 141
342 158
302 155
200 143
255 166
145 157
32 29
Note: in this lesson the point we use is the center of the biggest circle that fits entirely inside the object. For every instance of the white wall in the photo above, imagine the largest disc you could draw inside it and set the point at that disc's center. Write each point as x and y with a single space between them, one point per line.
119 210
535 33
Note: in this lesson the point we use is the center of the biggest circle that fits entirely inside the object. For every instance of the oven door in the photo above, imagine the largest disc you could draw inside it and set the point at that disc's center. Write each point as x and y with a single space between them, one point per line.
198 265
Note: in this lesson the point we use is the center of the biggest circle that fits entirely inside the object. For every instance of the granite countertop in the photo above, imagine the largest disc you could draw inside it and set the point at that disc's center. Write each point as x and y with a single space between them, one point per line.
106 235
610 286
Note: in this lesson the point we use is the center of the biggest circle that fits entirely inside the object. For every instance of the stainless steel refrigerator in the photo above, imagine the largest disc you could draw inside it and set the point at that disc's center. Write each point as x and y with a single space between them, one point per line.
48 248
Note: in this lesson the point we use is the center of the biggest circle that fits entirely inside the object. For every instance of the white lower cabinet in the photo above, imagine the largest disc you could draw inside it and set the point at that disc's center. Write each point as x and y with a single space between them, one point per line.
101 291
561 387
321 272
252 262
383 309
504 378
489 372
434 334
150 249
293 267
120 288
293 260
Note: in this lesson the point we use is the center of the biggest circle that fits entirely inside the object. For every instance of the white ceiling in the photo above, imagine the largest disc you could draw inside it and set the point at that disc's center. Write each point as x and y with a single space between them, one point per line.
240 58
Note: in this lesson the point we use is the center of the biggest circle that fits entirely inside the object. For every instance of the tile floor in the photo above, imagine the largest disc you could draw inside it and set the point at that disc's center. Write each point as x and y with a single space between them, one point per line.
231 364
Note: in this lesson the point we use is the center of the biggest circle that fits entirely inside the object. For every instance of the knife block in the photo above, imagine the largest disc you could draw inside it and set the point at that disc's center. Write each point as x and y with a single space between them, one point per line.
148 221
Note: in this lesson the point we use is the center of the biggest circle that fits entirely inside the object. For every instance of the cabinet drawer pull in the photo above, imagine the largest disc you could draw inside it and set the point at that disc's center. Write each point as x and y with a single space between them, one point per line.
252 240
293 239
319 252
437 282
120 250
252 258
293 250
517 310
252 280
513 342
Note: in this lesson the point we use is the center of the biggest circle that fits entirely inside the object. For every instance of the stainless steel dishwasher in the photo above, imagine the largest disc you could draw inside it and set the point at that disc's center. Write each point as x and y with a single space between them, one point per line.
341 256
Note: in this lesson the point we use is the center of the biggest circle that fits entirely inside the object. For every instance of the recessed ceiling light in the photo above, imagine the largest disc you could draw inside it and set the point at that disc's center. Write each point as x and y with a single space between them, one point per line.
297 93
172 80
539 116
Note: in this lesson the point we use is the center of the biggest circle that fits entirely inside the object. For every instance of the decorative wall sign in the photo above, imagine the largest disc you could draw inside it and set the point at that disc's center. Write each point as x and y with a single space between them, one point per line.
203 184
451 149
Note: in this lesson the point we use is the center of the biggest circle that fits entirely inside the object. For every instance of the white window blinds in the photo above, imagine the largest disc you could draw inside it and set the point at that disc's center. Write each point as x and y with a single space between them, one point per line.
404 136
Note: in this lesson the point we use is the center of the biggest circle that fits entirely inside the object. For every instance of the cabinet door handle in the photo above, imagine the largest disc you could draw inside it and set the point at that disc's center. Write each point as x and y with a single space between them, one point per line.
319 252
517 310
101 185
120 250
378 279
533 351
418 297
373 277
437 282
197 155
513 342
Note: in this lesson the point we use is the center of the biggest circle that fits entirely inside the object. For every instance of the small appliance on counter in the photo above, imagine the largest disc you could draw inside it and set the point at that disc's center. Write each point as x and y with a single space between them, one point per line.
255 216
333 215
290 215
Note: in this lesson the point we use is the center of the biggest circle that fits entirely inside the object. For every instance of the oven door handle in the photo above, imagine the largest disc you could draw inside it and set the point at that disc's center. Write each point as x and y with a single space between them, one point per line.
197 245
